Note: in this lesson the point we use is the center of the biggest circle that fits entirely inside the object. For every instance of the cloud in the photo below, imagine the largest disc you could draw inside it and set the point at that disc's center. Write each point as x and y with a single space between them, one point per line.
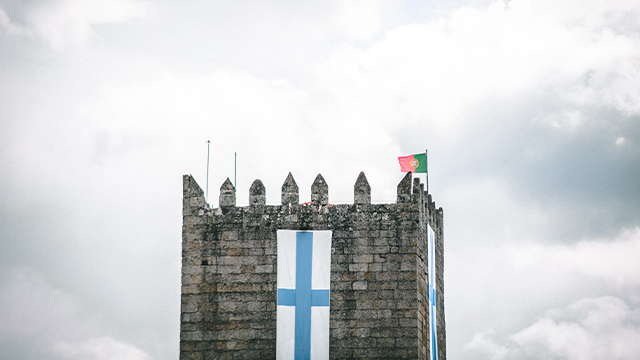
588 329
50 321
68 23
510 65
8 25
103 348
524 279
529 110
520 276
268 120
486 347
591 328
359 20
29 306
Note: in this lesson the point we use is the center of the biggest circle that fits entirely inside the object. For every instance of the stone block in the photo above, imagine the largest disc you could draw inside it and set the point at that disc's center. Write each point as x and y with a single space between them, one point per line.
264 269
359 285
358 267
189 307
408 322
191 335
364 258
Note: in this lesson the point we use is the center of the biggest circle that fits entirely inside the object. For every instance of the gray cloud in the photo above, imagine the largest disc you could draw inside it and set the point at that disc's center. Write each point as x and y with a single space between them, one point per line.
580 176
41 321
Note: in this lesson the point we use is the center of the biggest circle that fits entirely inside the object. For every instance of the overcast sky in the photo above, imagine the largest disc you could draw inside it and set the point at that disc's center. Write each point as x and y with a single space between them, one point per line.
530 110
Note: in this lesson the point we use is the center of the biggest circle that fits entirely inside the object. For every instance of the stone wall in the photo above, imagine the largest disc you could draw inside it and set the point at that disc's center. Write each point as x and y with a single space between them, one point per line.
379 269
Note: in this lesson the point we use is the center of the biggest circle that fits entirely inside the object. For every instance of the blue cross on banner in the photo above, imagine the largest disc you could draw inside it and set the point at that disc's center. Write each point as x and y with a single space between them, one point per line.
304 274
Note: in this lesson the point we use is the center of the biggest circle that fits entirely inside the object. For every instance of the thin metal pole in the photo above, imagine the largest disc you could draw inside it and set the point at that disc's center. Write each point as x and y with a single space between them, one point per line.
427 163
235 167
208 142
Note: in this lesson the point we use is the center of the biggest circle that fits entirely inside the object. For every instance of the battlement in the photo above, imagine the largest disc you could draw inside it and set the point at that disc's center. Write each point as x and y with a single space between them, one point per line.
379 270
319 194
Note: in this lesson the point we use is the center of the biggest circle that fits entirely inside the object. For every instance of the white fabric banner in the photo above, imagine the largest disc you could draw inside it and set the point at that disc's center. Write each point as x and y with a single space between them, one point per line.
304 279
433 334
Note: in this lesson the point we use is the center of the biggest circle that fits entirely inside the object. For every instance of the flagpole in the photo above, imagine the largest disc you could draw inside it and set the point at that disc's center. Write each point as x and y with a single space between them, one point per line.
208 142
235 169
427 164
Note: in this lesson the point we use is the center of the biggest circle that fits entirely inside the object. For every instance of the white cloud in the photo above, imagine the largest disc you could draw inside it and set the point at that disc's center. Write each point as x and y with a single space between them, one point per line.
613 262
590 328
65 23
524 278
483 343
437 74
593 328
268 120
359 20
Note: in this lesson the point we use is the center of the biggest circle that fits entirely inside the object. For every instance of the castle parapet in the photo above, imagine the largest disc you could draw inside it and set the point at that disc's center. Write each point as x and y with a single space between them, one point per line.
406 193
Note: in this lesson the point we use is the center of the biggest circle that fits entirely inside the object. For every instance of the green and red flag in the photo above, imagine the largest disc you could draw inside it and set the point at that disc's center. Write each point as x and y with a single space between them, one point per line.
413 163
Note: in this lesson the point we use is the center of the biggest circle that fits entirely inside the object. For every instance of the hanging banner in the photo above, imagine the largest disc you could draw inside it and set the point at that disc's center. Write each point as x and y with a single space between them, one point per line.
433 334
304 276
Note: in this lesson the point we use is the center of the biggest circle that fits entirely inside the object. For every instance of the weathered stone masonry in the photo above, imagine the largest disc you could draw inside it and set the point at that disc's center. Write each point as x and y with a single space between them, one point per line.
379 292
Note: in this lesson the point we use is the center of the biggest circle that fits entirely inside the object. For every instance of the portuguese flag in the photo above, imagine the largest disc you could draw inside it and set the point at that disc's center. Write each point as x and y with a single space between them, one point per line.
413 163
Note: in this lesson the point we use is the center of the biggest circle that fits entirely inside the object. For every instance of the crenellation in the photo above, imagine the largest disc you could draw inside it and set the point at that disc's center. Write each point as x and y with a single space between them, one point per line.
404 190
319 192
227 194
362 190
416 187
257 193
290 191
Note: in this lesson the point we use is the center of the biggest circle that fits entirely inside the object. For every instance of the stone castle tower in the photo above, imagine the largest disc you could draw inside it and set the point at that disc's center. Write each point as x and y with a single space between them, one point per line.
379 297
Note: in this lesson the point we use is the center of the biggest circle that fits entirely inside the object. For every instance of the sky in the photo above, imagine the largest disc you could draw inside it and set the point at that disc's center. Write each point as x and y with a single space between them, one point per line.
530 111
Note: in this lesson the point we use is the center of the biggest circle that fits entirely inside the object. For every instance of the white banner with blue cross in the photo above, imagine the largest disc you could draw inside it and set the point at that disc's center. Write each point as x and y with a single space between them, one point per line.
304 278
433 333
